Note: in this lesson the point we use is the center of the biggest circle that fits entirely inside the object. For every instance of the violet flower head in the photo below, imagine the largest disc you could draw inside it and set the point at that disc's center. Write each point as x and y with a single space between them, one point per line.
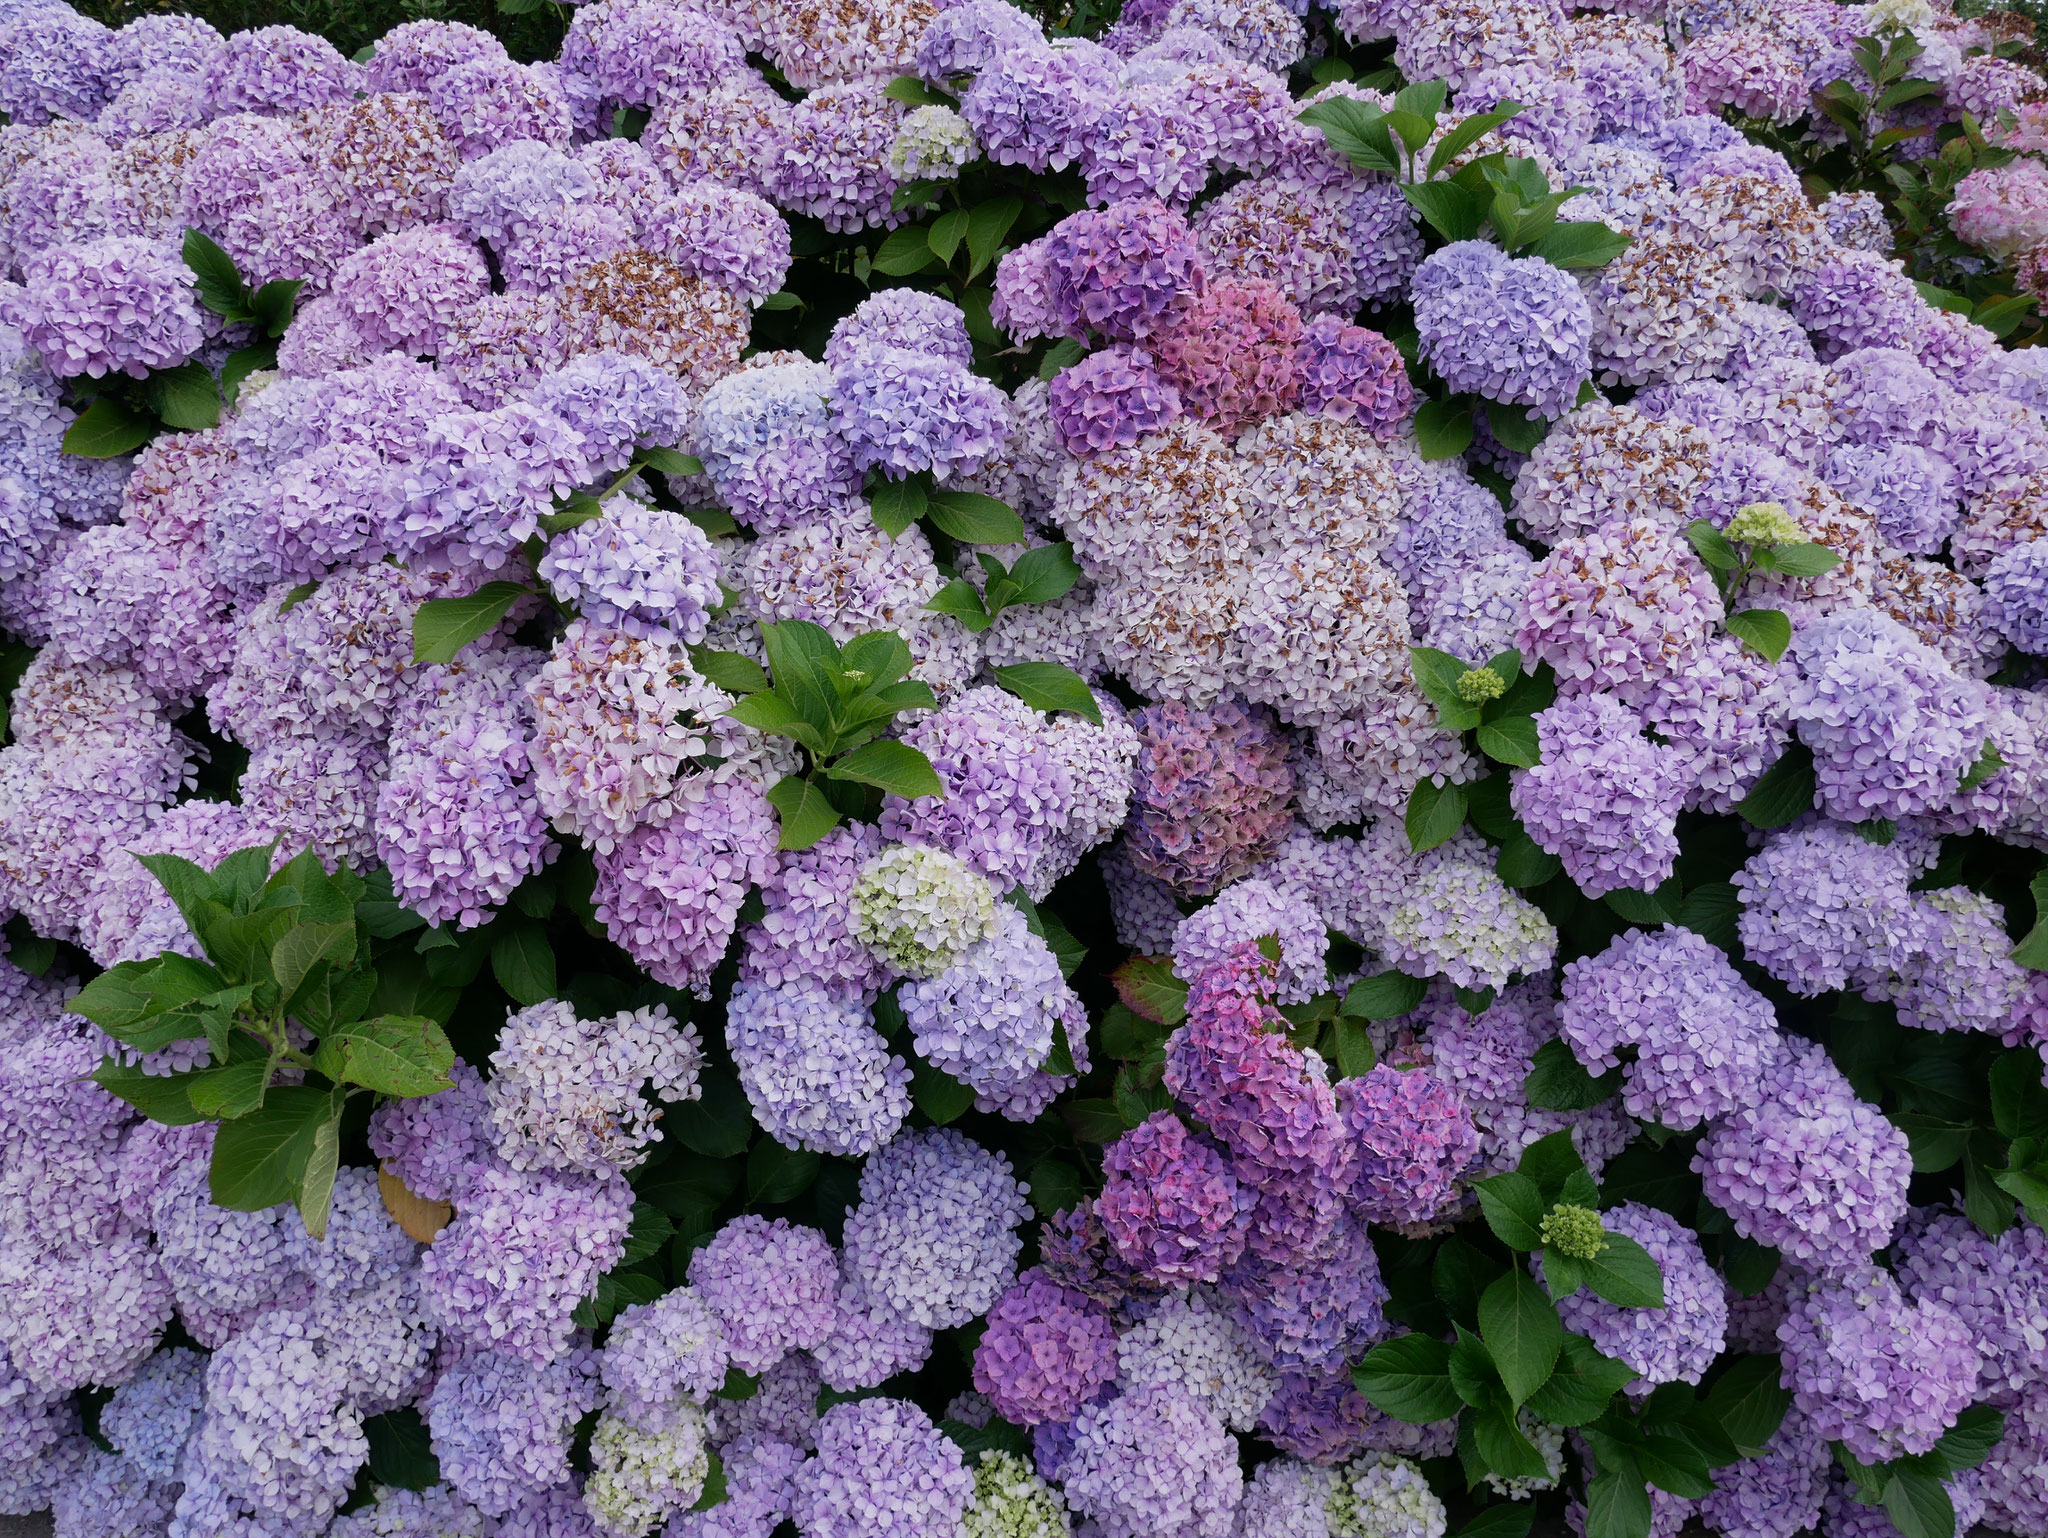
1231 353
1153 1461
881 1467
1354 374
1210 793
1047 1351
1677 1342
935 1233
1170 1205
117 305
816 1072
1412 1142
771 1286
1604 799
1110 399
1513 330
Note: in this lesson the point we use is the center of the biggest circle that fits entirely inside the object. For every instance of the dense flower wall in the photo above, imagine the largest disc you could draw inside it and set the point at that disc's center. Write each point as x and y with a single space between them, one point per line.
1268 773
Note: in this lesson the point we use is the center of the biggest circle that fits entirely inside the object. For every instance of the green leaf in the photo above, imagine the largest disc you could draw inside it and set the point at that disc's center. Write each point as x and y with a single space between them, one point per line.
777 1174
938 1094
108 428
126 995
670 461
1510 740
1148 988
1062 355
219 284
401 1451
304 946
1050 687
1658 907
1617 1505
896 505
1506 1451
159 1097
1575 243
403 1055
1521 1328
260 1160
946 234
2002 317
891 766
959 599
2032 951
719 1123
806 814
1971 1439
905 251
1473 1372
1624 1273
315 1198
1515 427
734 672
1513 1206
1383 996
974 519
441 627
1508 1520
1581 1387
1558 1081
1436 674
1750 1402
1435 813
185 397
524 963
1801 560
1988 762
222 1094
1674 1466
1355 130
1749 1266
1443 429
2019 1100
1919 1505
1045 574
714 1482
1713 546
1092 1121
987 224
1055 1187
1711 909
271 305
1522 863
1449 209
1767 631
1467 134
910 89
1784 793
1347 1041
1409 1378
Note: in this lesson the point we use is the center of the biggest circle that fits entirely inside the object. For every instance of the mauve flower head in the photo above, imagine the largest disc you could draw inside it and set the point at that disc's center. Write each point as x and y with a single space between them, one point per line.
1355 374
412 55
1231 354
1210 793
1153 1461
902 411
117 305
406 291
1513 330
1701 1036
1412 1142
770 1285
1677 1342
1170 1204
724 235
281 70
1047 1350
1604 799
1880 1375
881 1467
817 1073
1808 1167
1034 105
1110 399
935 1233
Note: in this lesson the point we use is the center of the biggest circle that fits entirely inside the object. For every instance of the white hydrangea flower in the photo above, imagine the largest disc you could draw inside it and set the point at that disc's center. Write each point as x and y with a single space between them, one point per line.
920 909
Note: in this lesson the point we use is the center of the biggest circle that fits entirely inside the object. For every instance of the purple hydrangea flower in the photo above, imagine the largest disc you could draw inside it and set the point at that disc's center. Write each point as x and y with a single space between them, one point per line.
1412 1142
881 1466
1170 1204
935 1234
816 1071
1047 1351
1604 799
771 1286
1152 1461
1513 330
1110 399
1672 1344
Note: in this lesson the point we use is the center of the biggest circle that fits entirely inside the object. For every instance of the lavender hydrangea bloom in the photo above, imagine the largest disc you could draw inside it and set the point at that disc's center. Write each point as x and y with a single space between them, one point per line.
934 1235
1170 1205
869 1342
1702 1037
901 317
1254 910
1604 799
1997 1287
1110 399
617 403
1210 794
639 569
1413 1141
766 437
815 1070
1884 1377
434 1144
566 1093
724 235
1354 374
771 1286
502 1425
1511 330
902 411
151 1416
1671 1344
1047 1351
1152 1461
1808 1167
2016 595
881 1466
660 1351
988 1020
118 305
526 1249
1892 728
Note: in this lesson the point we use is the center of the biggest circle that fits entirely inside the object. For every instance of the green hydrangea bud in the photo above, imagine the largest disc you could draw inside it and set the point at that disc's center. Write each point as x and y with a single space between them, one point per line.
1383 1496
1478 685
1010 1501
1574 1231
1766 523
919 909
638 1477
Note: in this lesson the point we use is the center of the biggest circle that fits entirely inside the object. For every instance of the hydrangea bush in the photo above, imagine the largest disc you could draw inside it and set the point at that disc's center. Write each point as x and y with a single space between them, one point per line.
1235 770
